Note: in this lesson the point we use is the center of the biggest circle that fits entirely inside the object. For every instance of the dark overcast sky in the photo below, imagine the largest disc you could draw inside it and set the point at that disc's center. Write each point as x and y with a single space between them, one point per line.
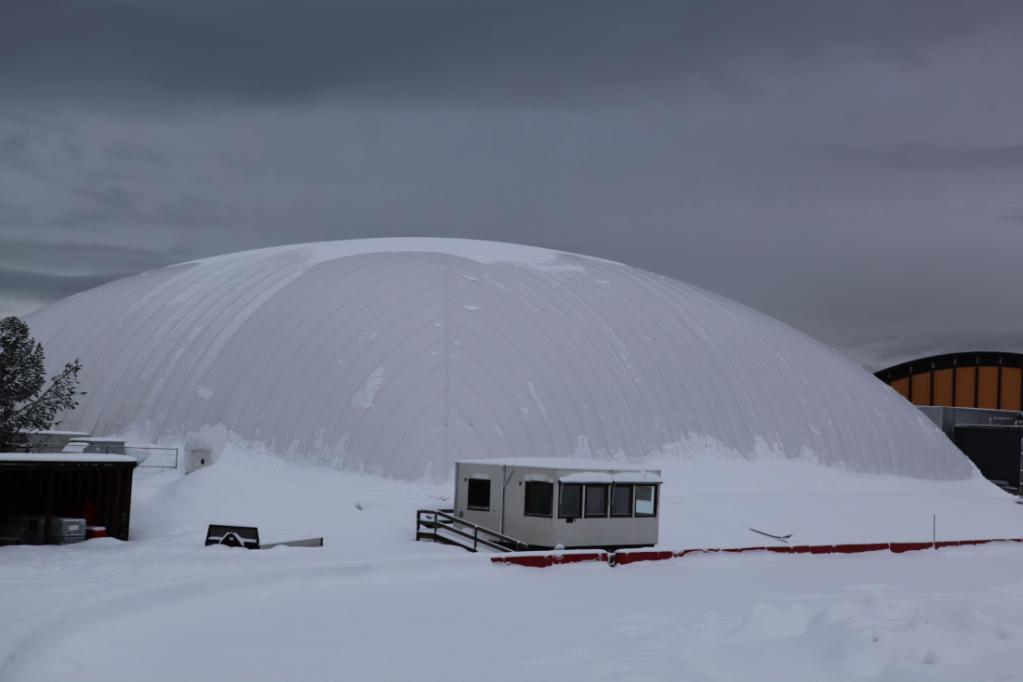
853 168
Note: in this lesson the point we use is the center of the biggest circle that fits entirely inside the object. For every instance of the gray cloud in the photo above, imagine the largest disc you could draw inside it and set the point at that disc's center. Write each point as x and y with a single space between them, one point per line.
48 286
851 168
477 49
76 259
911 157
107 204
14 148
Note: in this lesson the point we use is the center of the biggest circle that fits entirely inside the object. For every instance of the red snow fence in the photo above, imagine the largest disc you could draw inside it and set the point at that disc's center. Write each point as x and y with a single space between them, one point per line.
631 556
620 558
544 559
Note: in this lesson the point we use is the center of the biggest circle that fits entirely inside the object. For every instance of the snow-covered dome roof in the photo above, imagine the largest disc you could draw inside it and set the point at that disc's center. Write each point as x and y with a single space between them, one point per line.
400 356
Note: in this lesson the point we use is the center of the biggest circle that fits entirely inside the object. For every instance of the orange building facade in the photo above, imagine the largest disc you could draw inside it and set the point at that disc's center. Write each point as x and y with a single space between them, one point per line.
985 380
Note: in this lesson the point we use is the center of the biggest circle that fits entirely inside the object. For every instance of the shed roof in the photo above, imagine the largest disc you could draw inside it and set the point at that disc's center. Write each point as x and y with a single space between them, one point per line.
63 458
55 432
612 477
91 439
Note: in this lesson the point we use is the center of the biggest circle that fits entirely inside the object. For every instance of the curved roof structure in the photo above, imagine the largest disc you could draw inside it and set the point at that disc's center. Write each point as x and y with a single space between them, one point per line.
400 356
991 380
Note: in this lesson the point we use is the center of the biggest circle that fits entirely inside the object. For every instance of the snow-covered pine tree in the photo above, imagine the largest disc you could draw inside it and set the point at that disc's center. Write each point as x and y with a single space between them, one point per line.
24 404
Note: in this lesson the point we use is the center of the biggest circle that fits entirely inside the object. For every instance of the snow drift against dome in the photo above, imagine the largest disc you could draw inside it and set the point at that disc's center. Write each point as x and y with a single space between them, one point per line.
400 356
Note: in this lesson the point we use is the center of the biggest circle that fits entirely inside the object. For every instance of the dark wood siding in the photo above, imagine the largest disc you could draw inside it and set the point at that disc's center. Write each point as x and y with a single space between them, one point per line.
987 387
943 386
100 492
1010 389
902 386
921 388
966 385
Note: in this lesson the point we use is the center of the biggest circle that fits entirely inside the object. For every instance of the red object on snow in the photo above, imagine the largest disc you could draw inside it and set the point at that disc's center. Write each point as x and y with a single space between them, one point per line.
95 532
629 556
542 560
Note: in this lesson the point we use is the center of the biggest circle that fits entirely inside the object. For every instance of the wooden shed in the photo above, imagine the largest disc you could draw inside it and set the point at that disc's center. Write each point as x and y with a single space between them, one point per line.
94 487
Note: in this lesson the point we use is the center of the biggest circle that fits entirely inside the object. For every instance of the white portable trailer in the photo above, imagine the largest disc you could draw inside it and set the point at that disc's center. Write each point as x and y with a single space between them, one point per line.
549 502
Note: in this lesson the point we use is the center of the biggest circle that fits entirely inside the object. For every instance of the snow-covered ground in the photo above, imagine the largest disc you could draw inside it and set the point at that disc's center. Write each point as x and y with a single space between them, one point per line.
374 604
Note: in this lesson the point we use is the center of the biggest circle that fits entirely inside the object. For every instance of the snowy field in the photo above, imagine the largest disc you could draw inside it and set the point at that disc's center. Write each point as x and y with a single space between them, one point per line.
372 604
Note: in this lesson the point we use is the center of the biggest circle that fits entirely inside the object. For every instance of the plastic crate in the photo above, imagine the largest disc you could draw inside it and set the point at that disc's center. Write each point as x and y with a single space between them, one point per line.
65 530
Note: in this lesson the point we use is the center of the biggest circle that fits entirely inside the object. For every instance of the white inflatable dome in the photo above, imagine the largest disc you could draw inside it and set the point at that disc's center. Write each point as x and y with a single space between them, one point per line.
400 356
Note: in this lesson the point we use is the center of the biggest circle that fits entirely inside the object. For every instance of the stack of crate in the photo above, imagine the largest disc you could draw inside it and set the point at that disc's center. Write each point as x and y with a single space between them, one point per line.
65 530
31 529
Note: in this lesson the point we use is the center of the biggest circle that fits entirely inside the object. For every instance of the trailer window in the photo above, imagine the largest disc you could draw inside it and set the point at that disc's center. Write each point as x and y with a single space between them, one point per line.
570 501
539 498
596 500
479 494
621 500
646 500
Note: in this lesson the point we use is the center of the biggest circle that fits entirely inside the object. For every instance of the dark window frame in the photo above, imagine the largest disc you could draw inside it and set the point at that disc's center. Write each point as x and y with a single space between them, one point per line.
607 500
550 500
561 496
469 495
635 499
629 507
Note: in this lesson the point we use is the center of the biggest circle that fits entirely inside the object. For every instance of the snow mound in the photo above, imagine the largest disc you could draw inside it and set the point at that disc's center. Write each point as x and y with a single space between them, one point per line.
950 614
708 500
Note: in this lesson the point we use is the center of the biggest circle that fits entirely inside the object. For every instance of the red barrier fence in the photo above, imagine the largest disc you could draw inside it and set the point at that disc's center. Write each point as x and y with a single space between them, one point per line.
544 559
623 557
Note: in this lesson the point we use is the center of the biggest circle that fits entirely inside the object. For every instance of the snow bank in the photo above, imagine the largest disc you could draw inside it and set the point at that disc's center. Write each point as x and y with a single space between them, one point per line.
171 608
366 514
712 499
934 616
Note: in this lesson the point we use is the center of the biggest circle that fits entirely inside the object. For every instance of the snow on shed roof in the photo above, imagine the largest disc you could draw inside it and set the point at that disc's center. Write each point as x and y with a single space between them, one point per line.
91 439
64 457
569 463
55 432
611 477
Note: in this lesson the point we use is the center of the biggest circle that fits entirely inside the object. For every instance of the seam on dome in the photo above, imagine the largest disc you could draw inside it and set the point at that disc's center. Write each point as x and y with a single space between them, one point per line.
315 335
614 400
145 333
352 337
346 411
686 310
534 361
529 284
264 332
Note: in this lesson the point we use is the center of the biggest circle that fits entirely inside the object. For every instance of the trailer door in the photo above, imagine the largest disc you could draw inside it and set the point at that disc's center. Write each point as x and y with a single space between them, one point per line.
481 494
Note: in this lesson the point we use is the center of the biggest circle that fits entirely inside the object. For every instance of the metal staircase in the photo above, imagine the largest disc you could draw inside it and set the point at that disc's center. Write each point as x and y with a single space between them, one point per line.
440 525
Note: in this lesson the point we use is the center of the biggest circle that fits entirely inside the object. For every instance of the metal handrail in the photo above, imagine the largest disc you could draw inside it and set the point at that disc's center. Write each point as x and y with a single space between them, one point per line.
144 454
496 541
